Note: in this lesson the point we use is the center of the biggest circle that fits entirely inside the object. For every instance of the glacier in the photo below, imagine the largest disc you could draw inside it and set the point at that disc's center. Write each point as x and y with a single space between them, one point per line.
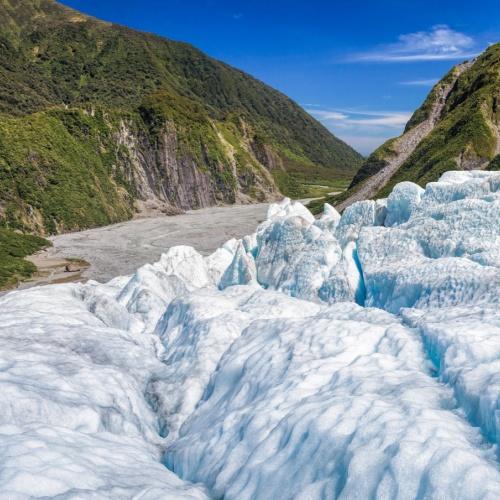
346 356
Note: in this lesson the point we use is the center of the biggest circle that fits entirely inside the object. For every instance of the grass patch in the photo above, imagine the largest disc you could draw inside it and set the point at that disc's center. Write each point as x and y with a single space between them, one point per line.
13 248
324 188
316 206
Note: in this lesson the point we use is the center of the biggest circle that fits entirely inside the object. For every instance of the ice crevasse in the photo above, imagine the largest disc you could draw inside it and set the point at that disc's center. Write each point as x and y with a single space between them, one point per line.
353 356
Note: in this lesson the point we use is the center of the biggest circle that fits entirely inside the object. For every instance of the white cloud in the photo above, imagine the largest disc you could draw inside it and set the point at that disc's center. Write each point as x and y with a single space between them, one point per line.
328 115
362 129
392 120
441 43
420 83
355 118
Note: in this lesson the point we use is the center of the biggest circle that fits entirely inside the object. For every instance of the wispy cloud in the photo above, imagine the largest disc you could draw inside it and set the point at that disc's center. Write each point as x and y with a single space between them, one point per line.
355 118
362 129
329 115
237 16
440 43
420 83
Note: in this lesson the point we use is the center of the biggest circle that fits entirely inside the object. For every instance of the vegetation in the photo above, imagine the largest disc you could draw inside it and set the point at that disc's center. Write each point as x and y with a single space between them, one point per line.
423 112
464 136
57 171
375 162
67 84
13 248
495 163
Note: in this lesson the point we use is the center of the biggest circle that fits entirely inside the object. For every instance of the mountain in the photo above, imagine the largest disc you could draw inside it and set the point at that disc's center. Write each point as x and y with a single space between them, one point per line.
456 128
97 119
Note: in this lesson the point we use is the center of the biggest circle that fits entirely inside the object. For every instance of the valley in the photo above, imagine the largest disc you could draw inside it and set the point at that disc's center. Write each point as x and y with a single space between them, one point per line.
205 293
119 249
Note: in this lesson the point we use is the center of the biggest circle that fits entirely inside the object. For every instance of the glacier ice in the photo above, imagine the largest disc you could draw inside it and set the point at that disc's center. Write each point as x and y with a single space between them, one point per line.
466 353
445 254
349 356
342 401
401 203
242 269
76 418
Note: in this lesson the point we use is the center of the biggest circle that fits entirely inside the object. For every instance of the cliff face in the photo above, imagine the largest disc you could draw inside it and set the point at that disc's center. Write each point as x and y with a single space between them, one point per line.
159 173
97 119
457 127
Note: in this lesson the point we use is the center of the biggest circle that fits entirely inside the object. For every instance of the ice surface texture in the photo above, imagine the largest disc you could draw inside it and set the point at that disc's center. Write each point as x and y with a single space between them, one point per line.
353 356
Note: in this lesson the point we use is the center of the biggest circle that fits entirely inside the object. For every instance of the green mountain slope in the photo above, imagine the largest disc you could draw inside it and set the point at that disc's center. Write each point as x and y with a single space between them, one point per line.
13 247
457 127
95 116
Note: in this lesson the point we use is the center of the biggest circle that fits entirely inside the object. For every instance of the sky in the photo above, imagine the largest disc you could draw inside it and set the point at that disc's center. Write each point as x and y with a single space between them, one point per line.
360 67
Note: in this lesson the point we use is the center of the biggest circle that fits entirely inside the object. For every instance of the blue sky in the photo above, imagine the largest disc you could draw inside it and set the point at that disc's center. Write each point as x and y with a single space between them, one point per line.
361 67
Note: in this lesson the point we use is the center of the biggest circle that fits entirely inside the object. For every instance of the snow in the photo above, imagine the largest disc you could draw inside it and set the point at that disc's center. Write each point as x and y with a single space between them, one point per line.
351 356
